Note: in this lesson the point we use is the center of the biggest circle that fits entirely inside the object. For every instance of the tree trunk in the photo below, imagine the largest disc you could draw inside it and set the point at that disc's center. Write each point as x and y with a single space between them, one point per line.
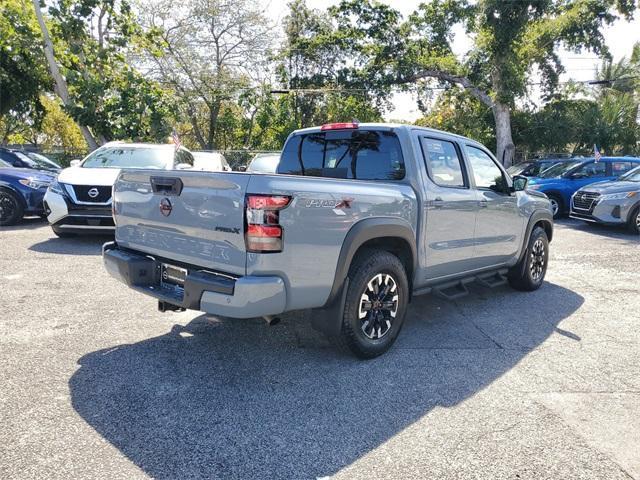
505 149
214 111
61 84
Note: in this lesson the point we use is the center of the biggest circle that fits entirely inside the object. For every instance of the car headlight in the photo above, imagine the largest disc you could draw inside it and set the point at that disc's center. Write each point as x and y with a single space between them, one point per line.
32 183
618 196
55 187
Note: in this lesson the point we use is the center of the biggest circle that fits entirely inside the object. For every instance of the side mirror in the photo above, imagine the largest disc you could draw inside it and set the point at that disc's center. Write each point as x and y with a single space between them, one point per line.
75 163
520 183
242 168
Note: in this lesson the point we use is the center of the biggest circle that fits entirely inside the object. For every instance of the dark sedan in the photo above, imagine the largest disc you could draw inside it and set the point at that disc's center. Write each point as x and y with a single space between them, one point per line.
20 159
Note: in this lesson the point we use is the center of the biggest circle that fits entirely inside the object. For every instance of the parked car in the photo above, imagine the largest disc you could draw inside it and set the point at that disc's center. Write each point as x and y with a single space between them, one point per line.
614 202
535 167
20 159
264 163
79 201
21 192
210 162
562 180
358 219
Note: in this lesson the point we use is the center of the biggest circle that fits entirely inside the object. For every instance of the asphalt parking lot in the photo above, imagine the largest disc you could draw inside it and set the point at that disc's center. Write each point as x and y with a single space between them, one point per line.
95 383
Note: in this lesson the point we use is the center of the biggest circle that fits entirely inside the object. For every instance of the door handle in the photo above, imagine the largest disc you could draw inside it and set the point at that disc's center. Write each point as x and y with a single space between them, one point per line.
438 202
483 203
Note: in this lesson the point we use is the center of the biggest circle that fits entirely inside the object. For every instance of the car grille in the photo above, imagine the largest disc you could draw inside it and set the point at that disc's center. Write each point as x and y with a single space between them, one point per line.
82 193
585 200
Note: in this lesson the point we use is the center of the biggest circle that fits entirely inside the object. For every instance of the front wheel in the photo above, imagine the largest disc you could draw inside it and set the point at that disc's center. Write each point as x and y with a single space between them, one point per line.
376 303
11 210
634 220
528 274
557 205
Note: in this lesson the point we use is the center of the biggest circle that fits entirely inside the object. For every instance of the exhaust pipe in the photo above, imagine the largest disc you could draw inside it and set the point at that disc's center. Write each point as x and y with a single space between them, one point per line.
271 320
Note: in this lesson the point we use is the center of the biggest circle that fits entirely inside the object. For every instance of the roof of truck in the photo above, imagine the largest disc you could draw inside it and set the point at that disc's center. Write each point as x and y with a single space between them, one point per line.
394 126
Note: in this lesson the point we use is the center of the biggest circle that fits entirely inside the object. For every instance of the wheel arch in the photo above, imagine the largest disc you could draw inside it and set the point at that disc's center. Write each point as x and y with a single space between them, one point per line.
393 235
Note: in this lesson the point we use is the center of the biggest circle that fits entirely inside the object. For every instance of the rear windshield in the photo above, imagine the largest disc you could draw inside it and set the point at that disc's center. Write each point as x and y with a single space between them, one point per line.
356 154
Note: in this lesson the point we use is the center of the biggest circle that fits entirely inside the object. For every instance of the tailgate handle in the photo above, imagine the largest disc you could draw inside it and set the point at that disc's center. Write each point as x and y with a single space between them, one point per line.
166 185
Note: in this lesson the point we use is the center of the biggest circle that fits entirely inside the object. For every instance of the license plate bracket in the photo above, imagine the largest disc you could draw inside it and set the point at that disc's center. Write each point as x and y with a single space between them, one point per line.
172 276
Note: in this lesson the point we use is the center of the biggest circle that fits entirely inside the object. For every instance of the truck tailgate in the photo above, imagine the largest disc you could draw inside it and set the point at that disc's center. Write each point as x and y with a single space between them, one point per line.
189 217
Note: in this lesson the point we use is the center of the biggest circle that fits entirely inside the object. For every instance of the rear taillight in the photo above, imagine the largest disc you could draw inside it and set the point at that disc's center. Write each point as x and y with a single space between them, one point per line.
263 231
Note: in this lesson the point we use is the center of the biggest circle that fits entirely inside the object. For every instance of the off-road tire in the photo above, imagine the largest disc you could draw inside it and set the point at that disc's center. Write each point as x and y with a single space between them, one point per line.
12 208
366 268
528 274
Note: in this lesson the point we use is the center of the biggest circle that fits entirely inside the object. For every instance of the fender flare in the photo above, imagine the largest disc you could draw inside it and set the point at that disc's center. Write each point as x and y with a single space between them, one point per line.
362 232
536 217
328 318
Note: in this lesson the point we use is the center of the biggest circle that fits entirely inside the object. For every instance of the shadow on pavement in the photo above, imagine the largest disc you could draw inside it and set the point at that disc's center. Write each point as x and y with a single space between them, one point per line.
27 223
620 232
221 398
76 245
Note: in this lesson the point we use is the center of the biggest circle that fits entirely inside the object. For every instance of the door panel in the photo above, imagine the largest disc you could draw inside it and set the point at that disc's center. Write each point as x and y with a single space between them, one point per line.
499 224
449 211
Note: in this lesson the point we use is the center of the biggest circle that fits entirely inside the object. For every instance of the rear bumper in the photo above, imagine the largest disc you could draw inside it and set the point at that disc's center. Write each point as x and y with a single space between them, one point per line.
241 297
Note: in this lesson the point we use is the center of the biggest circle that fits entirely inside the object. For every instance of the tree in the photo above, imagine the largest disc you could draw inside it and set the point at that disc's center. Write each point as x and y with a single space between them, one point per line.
511 41
60 82
207 52
23 73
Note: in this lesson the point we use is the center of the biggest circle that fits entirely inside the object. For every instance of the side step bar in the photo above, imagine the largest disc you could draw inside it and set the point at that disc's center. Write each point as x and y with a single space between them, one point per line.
458 288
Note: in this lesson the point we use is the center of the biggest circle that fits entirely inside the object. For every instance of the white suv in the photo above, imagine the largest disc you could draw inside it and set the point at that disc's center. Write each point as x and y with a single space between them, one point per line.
79 200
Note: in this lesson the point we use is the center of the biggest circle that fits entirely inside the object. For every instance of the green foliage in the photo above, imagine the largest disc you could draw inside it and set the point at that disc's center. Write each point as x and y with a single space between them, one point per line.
23 73
95 39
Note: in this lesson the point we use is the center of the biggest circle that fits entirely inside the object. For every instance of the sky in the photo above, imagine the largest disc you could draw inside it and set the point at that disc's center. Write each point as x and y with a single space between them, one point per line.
620 38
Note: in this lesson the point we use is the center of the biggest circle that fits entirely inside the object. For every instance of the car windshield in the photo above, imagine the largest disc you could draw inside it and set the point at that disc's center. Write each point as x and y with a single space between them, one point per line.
42 160
264 163
559 169
4 164
631 176
25 159
517 169
127 157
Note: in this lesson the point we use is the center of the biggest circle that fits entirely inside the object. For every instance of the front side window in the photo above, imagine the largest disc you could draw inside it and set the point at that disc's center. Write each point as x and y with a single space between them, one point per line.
443 162
485 171
357 154
591 170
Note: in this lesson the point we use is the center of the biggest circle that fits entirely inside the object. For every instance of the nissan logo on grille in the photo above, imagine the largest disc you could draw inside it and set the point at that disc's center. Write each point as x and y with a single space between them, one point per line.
93 192
165 207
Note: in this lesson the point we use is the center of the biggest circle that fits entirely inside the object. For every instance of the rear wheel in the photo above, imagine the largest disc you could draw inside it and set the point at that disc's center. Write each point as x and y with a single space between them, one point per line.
634 220
528 274
376 303
11 209
557 205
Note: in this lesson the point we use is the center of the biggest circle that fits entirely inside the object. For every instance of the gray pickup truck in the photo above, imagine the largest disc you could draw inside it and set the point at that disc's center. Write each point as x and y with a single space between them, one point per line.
358 219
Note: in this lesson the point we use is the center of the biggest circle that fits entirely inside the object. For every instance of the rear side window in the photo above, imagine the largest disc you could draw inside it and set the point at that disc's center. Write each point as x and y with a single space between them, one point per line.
618 168
443 162
359 154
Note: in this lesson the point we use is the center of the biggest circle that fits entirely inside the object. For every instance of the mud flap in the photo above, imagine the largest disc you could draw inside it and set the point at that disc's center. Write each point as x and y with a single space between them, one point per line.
329 320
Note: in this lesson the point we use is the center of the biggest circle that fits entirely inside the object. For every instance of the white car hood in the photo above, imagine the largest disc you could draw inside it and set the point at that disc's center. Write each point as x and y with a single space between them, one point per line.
89 176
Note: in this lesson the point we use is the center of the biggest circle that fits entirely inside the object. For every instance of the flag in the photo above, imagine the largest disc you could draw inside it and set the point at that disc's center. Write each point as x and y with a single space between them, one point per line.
596 153
176 139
